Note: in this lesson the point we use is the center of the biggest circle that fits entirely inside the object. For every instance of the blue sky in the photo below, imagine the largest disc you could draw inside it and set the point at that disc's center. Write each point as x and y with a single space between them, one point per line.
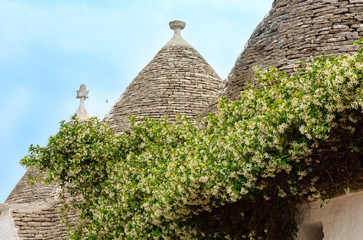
48 48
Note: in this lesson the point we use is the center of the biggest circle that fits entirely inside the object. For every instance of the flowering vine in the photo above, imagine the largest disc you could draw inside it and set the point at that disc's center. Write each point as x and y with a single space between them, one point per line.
154 181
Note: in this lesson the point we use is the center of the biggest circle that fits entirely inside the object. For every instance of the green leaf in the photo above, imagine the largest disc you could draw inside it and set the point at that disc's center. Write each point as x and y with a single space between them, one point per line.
356 149
251 196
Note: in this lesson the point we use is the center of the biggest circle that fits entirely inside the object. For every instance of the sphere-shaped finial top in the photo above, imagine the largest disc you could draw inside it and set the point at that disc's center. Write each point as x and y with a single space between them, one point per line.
176 24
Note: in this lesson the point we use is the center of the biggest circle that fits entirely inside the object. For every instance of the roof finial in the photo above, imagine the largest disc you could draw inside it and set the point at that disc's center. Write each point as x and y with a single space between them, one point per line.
177 26
177 39
82 94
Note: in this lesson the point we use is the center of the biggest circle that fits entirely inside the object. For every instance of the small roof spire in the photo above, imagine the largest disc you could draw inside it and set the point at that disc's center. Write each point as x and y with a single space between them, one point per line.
82 94
177 26
177 39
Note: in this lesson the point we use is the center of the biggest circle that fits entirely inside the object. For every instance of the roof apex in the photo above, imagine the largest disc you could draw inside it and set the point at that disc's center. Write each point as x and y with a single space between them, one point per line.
177 39
82 94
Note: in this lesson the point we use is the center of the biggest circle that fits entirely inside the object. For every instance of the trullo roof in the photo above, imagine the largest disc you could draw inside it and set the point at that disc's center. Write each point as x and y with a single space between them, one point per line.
176 81
294 31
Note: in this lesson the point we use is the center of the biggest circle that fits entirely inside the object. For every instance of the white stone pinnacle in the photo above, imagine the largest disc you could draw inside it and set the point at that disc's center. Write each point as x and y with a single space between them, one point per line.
82 94
177 39
177 26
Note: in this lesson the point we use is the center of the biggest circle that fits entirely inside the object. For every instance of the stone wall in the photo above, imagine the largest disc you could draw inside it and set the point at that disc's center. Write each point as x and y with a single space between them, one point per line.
41 224
295 30
31 212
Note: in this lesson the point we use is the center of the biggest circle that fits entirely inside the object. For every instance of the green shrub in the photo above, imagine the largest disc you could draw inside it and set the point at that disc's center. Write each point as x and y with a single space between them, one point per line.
154 181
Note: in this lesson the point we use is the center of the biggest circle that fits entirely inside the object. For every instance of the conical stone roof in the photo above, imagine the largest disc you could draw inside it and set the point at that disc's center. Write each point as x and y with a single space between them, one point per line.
176 81
295 30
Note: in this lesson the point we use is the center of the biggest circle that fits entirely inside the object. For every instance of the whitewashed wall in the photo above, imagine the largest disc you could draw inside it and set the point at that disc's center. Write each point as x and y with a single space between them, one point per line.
340 219
7 228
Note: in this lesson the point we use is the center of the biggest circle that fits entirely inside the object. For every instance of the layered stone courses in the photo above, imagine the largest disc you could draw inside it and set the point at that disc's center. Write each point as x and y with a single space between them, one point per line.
42 224
177 81
33 208
296 30
28 193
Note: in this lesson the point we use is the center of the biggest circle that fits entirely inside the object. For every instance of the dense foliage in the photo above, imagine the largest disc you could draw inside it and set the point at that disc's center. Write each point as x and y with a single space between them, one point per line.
156 180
